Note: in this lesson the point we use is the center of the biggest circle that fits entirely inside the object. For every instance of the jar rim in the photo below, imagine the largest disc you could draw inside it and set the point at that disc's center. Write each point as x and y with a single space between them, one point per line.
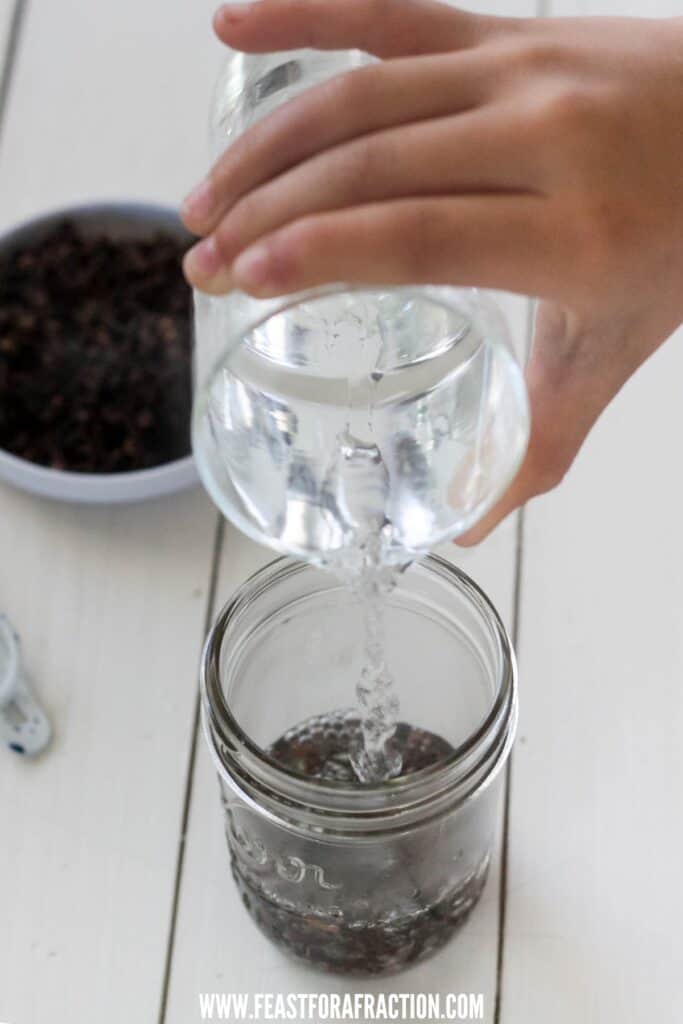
243 763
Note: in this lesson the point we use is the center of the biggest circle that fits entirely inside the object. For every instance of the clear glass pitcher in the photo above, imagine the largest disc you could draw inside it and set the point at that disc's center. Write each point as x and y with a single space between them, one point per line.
344 416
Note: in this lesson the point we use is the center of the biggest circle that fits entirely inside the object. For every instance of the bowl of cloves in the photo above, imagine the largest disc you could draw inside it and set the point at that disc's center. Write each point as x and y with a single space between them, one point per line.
95 354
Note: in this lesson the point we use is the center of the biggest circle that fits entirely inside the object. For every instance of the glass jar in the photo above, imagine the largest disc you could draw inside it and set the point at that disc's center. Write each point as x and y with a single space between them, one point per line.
350 877
327 418
343 413
251 85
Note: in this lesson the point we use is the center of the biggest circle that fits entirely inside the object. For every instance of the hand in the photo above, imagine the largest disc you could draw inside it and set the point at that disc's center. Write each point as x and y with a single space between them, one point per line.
541 156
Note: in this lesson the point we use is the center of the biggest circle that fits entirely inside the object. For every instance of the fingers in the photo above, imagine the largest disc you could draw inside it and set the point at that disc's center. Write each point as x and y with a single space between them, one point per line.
347 107
496 241
386 28
409 161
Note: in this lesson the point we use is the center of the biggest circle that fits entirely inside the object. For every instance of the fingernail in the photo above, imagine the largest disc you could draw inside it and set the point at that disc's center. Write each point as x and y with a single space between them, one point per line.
233 12
199 203
204 259
252 268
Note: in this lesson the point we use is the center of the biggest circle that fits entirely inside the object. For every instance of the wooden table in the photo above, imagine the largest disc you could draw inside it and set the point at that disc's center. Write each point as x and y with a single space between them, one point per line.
116 903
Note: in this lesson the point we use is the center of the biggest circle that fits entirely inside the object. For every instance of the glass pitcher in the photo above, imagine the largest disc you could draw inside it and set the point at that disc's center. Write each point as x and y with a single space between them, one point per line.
341 417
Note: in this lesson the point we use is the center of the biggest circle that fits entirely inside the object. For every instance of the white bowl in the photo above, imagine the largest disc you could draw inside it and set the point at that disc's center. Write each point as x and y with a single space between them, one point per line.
116 220
98 488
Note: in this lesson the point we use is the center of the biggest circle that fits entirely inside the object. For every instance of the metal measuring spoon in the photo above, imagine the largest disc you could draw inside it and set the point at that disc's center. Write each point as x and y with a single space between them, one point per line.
24 726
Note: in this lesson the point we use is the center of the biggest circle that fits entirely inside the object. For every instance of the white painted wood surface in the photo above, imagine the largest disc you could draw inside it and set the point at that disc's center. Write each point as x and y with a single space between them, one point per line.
108 100
110 603
594 898
594 893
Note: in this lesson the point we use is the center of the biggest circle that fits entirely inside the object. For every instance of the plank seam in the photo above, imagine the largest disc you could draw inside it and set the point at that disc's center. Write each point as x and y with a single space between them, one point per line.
502 897
516 614
12 49
189 779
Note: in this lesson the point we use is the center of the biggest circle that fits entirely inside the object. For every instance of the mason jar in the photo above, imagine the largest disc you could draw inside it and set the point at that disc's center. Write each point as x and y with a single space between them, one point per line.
358 878
328 415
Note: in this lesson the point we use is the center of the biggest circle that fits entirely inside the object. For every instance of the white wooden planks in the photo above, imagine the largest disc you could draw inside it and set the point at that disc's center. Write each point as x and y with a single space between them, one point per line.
7 8
109 100
594 893
110 603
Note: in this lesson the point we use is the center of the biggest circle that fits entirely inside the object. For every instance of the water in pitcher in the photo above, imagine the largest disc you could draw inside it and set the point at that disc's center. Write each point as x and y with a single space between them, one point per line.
361 415
356 431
